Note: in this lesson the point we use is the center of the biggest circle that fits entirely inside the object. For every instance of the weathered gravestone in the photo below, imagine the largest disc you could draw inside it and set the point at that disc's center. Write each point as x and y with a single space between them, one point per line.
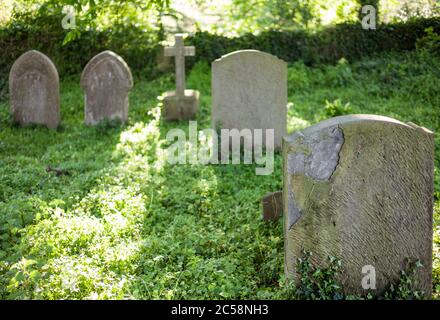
360 188
249 91
34 90
106 80
181 104
272 204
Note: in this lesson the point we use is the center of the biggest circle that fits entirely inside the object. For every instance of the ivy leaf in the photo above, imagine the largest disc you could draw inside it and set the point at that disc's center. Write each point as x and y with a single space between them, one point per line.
71 36
35 276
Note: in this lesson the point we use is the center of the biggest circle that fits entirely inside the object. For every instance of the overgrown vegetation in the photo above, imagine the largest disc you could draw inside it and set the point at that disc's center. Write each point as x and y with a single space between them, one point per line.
321 283
317 283
96 212
124 224
404 289
140 47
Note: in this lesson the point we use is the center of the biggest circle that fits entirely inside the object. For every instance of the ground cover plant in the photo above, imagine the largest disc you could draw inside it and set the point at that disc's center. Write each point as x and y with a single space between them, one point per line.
97 212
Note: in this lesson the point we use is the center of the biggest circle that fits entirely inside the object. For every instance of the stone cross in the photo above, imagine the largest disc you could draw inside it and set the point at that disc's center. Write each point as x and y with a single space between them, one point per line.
179 51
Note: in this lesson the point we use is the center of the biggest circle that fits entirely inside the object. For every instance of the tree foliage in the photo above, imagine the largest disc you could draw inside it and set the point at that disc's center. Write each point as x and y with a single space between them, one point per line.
275 14
89 14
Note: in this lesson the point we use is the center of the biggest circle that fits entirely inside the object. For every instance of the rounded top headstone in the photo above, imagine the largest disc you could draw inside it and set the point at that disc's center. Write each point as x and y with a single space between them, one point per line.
249 53
122 71
34 90
352 119
249 91
33 60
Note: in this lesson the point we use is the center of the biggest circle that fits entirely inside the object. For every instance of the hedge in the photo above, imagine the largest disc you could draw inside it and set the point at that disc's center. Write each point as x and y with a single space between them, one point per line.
326 46
141 48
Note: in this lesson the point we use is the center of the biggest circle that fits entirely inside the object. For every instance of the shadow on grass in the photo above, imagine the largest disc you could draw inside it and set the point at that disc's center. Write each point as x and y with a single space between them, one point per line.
48 175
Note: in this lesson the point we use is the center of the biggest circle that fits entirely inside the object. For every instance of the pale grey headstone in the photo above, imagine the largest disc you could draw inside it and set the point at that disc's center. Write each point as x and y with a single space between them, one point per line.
34 90
249 91
360 188
106 80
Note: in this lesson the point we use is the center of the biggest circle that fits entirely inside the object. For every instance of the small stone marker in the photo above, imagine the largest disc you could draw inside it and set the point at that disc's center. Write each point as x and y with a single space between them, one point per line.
249 91
272 204
181 104
360 188
106 80
34 90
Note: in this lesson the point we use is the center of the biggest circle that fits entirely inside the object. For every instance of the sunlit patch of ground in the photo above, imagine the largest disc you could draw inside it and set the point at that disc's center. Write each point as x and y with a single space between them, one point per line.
126 224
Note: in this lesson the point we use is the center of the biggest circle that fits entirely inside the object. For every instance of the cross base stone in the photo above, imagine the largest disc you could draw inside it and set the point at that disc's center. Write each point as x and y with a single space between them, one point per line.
181 107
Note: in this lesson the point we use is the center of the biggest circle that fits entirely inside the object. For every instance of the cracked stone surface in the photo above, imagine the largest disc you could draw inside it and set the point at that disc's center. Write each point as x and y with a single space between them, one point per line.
360 188
318 153
314 155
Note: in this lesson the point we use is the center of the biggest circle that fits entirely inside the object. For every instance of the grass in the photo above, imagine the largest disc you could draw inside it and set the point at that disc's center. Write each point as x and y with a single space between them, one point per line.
122 223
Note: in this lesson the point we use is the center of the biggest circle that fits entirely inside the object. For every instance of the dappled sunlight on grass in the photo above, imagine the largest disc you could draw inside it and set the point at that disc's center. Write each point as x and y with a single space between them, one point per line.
124 223
88 249
140 145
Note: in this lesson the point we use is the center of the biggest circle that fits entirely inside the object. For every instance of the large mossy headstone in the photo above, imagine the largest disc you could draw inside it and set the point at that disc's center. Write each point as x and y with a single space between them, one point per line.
360 188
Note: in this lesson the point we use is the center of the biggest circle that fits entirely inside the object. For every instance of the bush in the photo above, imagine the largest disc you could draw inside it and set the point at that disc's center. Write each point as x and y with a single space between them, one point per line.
429 43
140 47
335 108
136 46
328 45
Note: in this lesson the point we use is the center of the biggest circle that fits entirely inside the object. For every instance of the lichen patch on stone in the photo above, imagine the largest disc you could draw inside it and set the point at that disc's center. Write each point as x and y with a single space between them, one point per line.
322 156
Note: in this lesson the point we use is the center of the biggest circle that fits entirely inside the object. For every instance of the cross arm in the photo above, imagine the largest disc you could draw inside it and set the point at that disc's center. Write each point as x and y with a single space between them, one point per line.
169 51
187 51
190 51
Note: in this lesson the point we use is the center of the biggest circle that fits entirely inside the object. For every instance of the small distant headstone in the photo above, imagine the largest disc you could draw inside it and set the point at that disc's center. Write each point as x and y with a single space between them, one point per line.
360 188
181 104
106 80
34 90
272 204
249 91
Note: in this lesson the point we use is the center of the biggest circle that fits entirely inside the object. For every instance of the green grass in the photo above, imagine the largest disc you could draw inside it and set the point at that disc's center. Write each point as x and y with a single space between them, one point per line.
124 224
